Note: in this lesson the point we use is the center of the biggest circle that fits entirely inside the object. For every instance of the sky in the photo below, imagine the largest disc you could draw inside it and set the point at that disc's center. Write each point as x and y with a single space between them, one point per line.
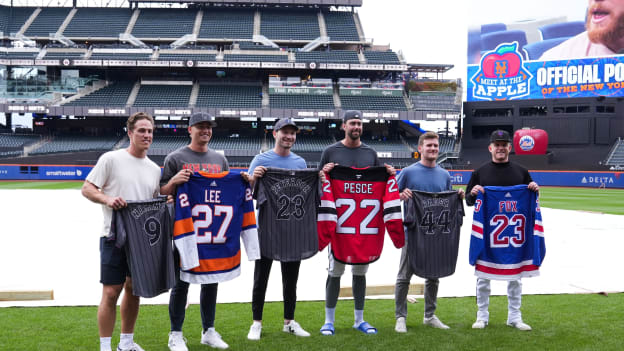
436 31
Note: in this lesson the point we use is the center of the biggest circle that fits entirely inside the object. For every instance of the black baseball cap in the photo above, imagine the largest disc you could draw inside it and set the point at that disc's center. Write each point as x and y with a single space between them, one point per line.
500 135
200 117
351 114
281 123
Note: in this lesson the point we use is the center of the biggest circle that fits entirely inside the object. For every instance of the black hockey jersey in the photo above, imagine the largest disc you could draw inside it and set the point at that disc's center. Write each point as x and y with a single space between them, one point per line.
287 202
144 229
433 222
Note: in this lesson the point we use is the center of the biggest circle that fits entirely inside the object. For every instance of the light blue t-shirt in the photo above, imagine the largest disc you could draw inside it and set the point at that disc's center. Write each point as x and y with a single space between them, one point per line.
271 159
423 178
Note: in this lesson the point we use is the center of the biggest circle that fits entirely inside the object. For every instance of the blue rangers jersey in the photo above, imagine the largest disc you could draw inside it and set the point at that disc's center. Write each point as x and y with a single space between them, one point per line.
213 212
507 241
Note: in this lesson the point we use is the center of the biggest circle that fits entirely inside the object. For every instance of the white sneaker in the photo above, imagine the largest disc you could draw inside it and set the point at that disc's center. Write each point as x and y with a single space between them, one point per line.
254 331
479 324
400 326
520 325
134 347
213 339
294 328
435 322
177 342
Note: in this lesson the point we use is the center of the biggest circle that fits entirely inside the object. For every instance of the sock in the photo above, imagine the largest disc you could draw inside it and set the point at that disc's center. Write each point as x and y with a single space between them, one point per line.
126 340
330 315
257 323
105 344
359 317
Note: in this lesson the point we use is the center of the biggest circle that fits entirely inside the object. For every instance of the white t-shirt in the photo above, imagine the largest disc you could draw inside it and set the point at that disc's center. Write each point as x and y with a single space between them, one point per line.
118 173
576 47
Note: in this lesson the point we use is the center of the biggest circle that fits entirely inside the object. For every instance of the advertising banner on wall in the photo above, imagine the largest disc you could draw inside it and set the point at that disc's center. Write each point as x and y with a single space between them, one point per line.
561 49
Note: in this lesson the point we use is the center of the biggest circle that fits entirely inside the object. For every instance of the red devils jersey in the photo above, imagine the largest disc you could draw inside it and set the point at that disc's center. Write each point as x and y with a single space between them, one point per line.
357 206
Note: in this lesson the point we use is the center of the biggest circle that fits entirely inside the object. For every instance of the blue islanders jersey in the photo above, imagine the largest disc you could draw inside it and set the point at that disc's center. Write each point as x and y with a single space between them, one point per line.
213 212
507 241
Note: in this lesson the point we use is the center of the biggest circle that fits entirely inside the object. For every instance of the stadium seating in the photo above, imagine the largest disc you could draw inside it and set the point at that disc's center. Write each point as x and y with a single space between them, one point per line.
163 95
301 101
382 57
341 26
388 103
290 25
535 50
227 143
434 102
17 140
446 144
231 95
562 29
98 23
334 56
185 57
386 145
310 143
166 143
249 45
617 157
51 55
255 58
231 24
30 55
113 95
159 23
120 55
48 21
17 16
76 143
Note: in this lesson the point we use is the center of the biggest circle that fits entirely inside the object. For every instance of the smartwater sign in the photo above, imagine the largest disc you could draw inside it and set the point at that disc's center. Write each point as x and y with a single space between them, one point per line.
40 172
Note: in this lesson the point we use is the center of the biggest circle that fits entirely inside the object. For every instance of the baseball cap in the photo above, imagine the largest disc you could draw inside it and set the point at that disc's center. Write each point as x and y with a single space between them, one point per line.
200 117
500 135
281 123
351 114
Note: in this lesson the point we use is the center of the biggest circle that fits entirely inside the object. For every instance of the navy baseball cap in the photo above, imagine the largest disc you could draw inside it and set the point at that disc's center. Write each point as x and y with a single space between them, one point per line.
200 117
351 114
500 135
281 123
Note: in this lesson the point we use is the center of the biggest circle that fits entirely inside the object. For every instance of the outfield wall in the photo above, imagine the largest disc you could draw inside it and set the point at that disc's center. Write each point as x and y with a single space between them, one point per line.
544 178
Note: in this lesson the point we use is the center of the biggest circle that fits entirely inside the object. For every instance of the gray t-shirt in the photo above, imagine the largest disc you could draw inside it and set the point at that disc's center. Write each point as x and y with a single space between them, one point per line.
185 158
360 157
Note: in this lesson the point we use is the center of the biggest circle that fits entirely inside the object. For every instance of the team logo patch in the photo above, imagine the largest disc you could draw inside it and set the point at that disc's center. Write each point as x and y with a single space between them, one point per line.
527 143
213 183
501 74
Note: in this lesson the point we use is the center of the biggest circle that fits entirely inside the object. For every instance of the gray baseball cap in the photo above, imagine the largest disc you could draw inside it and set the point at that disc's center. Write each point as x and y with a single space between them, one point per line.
200 117
281 123
351 114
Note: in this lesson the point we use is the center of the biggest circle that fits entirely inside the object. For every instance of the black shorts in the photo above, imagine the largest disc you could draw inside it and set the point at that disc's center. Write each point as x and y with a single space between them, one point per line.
113 263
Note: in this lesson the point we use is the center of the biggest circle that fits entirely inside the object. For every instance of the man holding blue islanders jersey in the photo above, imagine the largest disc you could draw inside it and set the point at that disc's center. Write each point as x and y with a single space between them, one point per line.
499 172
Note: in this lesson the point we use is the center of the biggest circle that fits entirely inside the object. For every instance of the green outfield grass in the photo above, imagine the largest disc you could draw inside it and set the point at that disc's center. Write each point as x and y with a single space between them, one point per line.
560 322
45 185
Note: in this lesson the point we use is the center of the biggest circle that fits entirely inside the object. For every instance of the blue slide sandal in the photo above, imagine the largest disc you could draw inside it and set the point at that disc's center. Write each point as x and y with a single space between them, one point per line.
366 328
328 329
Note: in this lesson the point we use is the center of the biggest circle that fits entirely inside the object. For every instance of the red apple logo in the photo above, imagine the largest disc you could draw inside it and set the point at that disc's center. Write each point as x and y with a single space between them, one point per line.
502 63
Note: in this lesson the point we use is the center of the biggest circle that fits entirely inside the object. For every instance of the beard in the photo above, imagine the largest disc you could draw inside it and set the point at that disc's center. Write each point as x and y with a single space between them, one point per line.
609 36
352 136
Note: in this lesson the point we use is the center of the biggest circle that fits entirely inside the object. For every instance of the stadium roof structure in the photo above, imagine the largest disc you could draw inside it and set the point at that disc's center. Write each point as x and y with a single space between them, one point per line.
428 67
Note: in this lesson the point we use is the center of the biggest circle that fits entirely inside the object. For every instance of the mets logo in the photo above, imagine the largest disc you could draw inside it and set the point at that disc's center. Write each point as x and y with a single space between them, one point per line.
501 75
527 143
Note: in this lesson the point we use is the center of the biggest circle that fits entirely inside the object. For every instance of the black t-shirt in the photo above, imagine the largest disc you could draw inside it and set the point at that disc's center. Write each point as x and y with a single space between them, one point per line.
497 174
